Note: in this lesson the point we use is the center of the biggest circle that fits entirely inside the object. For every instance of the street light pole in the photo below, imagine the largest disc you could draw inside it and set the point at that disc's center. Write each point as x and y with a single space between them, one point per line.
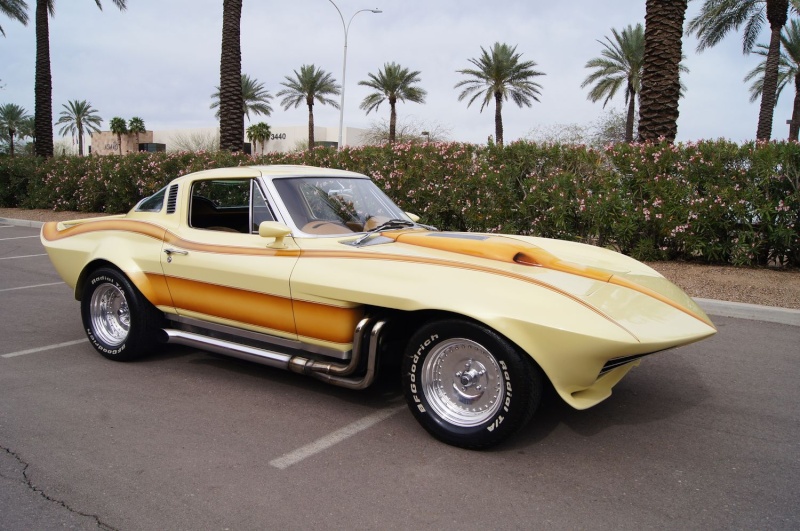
346 28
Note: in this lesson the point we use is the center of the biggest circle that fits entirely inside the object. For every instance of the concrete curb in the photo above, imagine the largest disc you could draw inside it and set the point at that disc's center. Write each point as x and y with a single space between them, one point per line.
754 312
739 310
21 223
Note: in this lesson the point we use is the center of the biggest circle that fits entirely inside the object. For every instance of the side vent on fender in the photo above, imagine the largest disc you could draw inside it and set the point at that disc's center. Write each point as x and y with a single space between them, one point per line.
172 199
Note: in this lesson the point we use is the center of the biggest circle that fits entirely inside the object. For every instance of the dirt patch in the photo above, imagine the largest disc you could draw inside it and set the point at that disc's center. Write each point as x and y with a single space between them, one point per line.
768 287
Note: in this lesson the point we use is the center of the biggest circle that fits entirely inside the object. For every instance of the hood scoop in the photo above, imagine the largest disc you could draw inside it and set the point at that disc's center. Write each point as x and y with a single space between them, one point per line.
497 248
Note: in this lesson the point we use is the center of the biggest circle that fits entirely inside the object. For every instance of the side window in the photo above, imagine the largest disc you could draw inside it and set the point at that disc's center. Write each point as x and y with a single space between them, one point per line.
221 205
228 205
261 210
152 203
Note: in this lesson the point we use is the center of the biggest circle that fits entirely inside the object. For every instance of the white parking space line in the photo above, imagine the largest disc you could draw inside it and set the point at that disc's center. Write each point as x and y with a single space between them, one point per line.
333 438
18 238
30 287
41 349
23 256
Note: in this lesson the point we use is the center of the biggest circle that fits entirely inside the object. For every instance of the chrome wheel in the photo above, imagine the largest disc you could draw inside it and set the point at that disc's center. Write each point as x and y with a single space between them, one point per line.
462 382
109 314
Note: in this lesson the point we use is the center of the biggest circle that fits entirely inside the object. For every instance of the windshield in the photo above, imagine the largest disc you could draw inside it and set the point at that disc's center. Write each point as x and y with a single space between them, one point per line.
327 205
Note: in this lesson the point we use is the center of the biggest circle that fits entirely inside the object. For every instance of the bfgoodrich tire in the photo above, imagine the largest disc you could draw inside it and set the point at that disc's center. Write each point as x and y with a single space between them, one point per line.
119 322
467 385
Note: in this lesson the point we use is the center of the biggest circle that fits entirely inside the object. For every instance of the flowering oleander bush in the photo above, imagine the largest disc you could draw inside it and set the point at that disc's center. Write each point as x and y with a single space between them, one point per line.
709 201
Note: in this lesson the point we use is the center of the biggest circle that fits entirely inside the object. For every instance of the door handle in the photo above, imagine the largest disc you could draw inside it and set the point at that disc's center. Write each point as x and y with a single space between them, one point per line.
170 252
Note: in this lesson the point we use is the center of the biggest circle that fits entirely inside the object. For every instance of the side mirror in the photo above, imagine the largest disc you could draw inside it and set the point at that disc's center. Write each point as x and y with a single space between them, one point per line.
273 229
413 217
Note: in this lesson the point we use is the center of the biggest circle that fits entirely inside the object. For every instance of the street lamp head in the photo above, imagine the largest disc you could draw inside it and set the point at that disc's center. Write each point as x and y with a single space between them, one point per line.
376 10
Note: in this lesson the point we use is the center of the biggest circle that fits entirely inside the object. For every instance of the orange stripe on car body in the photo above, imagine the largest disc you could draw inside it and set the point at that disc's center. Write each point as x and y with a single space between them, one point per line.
344 255
259 309
497 248
174 239
154 287
51 233
50 230
322 322
329 323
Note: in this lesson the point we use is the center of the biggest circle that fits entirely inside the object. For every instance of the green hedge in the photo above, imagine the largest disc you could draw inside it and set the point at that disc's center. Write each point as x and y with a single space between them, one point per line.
711 201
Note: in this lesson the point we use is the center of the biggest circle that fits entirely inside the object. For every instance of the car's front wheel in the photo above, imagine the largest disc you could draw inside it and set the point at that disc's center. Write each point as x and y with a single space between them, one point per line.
119 322
467 385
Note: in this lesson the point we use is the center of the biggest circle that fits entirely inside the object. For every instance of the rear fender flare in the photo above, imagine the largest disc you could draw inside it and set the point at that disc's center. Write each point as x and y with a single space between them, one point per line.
153 287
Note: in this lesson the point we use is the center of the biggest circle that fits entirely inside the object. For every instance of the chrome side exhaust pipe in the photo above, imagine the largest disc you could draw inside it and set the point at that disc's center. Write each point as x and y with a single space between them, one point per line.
333 373
226 348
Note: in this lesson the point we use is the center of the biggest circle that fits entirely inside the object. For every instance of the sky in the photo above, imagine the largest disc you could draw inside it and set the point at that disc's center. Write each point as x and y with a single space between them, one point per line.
159 60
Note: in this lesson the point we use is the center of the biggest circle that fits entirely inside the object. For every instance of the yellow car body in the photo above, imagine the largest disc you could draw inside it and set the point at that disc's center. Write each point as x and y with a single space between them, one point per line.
582 314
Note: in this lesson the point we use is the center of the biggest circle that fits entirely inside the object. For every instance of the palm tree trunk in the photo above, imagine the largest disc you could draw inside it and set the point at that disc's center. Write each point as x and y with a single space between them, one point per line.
11 142
231 118
80 140
661 85
631 114
392 120
43 87
498 118
777 11
794 129
310 103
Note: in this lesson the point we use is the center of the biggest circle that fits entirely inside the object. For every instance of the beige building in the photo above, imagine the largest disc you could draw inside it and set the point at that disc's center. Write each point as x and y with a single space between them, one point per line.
282 139
106 143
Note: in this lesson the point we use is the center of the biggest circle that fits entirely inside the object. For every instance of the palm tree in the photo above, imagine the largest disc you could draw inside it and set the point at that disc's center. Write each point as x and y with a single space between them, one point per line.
15 9
79 117
718 17
788 70
43 87
136 127
392 83
661 83
259 133
500 74
231 119
309 85
27 129
12 118
255 98
621 64
119 128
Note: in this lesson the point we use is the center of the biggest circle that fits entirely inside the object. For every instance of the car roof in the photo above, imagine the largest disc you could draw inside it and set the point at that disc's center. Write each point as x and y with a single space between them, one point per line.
274 171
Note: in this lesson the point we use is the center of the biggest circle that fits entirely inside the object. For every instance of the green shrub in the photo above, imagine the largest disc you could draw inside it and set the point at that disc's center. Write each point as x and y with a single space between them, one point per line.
709 201
14 176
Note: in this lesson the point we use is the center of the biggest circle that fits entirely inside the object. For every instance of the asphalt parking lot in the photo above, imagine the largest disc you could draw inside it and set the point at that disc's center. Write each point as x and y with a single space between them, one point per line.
706 436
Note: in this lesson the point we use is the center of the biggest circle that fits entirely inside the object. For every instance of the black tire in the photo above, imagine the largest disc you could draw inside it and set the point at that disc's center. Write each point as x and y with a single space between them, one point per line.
467 385
120 323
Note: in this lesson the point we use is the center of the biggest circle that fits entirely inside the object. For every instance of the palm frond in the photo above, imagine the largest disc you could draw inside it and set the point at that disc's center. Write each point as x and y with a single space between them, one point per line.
14 9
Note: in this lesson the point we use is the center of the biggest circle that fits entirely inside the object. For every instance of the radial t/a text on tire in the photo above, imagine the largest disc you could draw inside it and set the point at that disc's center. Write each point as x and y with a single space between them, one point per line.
119 322
467 385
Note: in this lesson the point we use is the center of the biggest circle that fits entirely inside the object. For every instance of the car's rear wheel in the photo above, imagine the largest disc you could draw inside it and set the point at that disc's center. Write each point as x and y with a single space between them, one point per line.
119 322
467 385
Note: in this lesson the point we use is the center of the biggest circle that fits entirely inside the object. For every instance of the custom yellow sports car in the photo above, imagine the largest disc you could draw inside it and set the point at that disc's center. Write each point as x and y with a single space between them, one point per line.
317 271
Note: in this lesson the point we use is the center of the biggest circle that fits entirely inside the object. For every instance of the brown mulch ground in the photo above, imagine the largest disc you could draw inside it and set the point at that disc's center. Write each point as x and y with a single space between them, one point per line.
768 287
